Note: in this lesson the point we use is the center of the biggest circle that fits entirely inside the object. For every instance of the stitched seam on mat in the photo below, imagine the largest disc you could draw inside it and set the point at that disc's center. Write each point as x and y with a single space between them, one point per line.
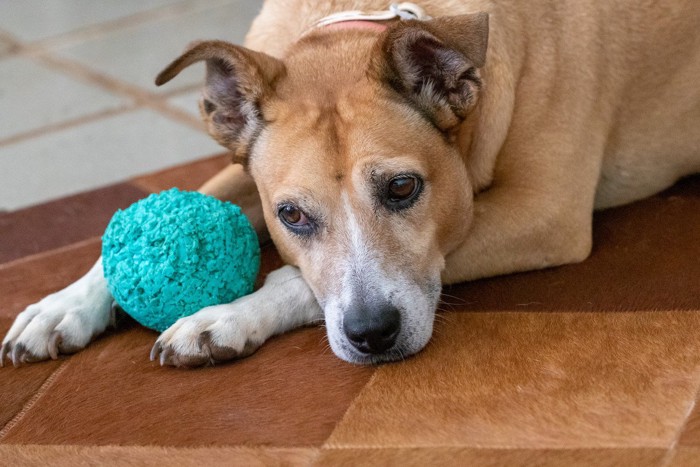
316 456
673 448
406 447
42 254
33 400
354 402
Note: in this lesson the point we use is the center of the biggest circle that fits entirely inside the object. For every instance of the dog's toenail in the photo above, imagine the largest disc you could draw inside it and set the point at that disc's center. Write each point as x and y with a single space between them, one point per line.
3 353
55 340
155 350
18 353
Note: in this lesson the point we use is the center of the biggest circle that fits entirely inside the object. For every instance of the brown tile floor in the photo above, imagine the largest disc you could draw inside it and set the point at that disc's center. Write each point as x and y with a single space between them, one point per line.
65 222
595 363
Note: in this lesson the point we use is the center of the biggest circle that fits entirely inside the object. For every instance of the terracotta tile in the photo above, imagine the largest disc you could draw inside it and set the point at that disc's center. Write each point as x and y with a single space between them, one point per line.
62 222
537 381
19 385
446 456
645 258
185 177
33 455
26 281
292 392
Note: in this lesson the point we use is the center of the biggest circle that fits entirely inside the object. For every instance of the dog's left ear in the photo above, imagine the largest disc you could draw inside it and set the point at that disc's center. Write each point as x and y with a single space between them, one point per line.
435 64
238 81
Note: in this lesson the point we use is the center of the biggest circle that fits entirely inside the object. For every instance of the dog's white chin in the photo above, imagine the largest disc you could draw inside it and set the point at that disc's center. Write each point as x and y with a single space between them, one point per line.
416 305
414 336
346 352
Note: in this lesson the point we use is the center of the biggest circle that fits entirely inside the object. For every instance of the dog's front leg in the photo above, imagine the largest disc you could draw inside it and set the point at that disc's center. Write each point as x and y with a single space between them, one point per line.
235 330
66 321
63 322
539 213
236 185
507 237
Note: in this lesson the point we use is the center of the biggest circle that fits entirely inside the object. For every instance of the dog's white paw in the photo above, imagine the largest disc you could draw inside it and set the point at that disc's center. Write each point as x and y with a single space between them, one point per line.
213 334
61 323
236 330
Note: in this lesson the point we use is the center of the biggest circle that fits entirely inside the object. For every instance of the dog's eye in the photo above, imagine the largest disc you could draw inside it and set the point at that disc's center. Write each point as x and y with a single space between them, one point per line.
294 218
292 215
402 191
401 188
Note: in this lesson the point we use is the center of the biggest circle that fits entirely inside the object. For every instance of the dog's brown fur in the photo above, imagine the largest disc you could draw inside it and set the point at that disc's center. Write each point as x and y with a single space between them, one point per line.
584 105
517 119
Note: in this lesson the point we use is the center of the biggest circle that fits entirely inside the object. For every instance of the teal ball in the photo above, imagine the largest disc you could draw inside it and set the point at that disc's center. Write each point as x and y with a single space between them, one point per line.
171 254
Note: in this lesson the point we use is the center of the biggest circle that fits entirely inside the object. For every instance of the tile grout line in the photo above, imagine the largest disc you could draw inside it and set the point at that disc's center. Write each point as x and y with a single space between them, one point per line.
66 124
89 118
141 97
9 38
18 49
76 70
180 91
41 51
93 31
33 400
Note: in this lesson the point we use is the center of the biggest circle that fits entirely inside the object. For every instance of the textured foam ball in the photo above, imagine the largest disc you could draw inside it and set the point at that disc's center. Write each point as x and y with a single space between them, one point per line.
174 253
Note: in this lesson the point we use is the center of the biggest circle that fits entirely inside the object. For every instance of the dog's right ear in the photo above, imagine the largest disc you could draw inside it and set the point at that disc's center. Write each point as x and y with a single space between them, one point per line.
237 82
435 64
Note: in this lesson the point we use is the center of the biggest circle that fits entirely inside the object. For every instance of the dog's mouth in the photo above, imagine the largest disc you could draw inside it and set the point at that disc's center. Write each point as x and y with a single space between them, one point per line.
353 355
405 345
393 333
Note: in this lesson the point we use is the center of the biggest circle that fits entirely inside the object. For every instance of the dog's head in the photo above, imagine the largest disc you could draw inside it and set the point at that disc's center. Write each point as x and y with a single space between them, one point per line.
351 142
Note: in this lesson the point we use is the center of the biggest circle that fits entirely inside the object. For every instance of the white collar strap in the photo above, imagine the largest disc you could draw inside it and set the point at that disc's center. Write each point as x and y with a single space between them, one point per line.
403 11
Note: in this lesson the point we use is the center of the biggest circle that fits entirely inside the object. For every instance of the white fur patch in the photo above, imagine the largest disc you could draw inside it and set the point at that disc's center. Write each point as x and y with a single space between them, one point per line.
283 303
363 272
78 313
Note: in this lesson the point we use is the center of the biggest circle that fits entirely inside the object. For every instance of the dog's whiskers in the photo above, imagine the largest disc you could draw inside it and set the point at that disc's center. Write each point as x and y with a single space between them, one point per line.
397 352
445 295
447 308
324 342
326 349
444 317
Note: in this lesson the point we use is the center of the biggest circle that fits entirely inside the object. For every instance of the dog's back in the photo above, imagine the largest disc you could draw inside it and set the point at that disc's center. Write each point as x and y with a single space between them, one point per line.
654 49
627 71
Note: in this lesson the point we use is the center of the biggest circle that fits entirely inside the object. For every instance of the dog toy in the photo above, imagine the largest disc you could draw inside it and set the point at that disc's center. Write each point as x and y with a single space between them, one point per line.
174 253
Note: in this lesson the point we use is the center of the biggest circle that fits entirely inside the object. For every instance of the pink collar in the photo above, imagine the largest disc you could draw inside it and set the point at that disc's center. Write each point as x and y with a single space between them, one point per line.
371 19
357 24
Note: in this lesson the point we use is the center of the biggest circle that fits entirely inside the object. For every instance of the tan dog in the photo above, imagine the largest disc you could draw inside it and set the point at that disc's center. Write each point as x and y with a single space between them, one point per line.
393 157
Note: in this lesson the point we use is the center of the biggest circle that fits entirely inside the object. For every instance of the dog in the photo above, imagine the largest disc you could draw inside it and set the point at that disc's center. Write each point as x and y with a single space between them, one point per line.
389 152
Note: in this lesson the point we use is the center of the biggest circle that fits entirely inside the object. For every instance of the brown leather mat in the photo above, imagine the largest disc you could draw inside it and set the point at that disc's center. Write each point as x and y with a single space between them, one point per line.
594 363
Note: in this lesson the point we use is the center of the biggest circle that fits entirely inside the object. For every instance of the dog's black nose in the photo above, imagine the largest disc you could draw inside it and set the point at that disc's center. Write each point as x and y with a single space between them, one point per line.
373 331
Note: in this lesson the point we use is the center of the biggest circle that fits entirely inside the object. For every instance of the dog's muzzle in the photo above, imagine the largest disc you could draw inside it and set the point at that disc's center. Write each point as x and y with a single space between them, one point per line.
372 329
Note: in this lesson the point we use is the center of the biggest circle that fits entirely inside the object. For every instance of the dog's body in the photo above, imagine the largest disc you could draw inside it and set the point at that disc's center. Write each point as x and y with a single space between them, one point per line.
386 160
